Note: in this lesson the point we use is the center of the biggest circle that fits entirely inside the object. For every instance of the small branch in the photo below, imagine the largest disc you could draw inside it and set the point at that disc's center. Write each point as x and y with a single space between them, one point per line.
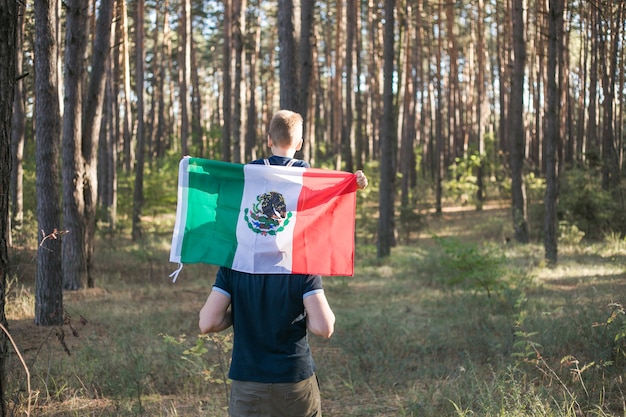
19 355
24 75
54 235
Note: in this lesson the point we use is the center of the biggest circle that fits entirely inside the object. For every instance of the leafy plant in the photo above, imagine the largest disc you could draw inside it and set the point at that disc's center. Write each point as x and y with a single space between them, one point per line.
468 265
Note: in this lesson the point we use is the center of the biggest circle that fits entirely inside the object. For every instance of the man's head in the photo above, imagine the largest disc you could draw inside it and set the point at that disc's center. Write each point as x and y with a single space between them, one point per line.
286 130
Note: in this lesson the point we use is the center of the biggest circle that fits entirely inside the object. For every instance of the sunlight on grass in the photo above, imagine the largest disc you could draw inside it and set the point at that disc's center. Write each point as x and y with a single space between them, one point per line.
417 333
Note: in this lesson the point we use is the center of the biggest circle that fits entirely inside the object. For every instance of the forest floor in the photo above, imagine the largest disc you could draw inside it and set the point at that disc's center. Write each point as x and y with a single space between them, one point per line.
400 344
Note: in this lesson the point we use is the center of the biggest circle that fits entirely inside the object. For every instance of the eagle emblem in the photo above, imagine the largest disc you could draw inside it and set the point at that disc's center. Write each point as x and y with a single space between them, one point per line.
268 215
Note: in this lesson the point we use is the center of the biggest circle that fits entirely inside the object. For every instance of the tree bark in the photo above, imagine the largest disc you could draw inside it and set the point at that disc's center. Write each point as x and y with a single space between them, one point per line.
139 89
552 135
18 127
227 82
129 154
11 18
185 70
307 79
91 129
386 222
239 7
73 261
288 38
516 126
49 281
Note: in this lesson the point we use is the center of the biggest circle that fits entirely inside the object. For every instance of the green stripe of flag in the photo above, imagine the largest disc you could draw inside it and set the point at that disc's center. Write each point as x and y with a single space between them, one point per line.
212 211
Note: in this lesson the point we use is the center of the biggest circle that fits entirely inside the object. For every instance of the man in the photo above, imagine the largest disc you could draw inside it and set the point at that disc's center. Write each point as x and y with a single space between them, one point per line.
272 369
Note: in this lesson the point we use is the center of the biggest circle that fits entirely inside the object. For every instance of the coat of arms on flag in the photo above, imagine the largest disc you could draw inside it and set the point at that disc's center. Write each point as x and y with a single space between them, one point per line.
265 219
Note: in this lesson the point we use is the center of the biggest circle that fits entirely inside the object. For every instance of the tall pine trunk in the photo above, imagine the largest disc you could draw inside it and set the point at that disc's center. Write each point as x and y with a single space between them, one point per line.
73 260
49 281
92 123
9 18
516 125
386 222
552 135
141 151
18 127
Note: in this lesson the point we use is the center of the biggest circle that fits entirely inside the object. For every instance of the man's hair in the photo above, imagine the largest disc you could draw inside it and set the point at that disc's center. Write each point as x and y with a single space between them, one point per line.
286 128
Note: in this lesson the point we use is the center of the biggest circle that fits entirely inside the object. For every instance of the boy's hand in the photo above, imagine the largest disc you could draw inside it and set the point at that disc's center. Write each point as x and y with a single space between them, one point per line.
361 179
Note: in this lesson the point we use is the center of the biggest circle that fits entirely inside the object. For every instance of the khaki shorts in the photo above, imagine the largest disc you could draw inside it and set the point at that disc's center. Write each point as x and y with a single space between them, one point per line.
255 399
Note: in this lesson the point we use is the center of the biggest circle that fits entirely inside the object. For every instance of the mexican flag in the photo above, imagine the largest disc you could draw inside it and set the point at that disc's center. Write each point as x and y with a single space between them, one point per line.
265 219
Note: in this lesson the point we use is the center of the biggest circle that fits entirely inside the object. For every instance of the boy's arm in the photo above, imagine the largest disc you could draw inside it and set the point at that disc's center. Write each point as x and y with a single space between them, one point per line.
361 179
215 316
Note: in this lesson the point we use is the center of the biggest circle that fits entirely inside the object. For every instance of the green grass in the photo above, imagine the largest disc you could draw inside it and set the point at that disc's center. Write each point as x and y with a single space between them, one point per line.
459 321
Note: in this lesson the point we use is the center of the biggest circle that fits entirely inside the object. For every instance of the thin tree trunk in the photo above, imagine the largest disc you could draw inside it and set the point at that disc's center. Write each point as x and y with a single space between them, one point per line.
407 153
49 281
439 137
347 136
227 82
139 168
552 135
516 124
11 20
480 103
73 261
307 86
359 128
129 155
386 222
197 132
185 70
251 118
91 129
18 127
609 47
239 20
336 99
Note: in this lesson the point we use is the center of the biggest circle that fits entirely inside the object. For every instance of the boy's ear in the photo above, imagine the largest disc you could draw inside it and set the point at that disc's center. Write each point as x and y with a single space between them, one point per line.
299 146
269 141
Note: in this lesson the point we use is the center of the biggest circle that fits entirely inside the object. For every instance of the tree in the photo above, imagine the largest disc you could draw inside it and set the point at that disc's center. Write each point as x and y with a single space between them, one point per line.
185 71
18 127
407 153
227 81
9 12
516 125
92 122
552 133
307 78
141 151
611 164
125 73
386 222
481 102
239 31
288 38
73 260
49 281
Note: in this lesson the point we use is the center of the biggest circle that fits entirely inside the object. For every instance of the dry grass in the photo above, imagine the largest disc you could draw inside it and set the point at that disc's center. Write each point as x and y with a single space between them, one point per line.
405 343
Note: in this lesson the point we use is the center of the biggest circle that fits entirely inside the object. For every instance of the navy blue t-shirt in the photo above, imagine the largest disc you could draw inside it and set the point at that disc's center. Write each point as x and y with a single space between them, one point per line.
269 322
282 160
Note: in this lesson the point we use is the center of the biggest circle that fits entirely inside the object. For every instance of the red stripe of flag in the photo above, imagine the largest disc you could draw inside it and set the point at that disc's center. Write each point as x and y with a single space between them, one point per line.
323 238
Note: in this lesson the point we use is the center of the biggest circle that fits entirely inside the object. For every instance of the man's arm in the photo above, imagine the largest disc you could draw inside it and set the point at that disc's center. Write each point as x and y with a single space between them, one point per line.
320 319
215 316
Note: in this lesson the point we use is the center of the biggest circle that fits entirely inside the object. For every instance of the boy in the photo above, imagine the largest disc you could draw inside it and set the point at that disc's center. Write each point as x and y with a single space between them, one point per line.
272 370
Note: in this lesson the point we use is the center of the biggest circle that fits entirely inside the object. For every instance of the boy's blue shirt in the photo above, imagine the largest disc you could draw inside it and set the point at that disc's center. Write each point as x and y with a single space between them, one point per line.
269 320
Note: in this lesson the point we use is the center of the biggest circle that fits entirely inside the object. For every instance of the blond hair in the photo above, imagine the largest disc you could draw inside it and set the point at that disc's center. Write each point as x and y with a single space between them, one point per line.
286 128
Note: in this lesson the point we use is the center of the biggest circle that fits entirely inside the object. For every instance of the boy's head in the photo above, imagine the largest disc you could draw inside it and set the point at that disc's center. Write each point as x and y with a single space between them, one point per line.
286 129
